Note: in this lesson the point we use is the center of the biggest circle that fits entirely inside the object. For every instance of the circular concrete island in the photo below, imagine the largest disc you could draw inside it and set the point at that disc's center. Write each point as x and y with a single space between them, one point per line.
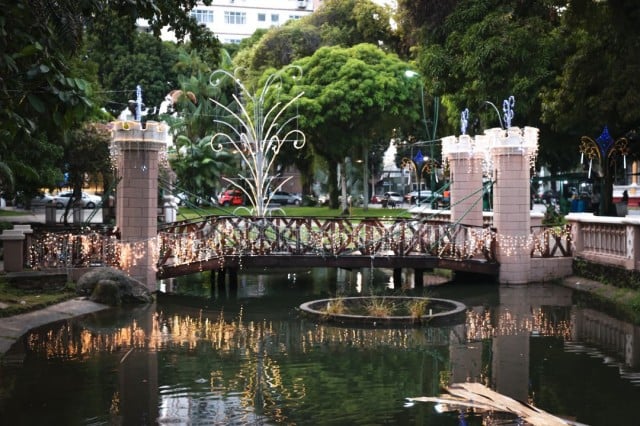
386 310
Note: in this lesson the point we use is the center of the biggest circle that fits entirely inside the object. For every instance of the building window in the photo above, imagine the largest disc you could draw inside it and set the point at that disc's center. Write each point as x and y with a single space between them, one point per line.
237 18
262 17
275 18
295 16
202 16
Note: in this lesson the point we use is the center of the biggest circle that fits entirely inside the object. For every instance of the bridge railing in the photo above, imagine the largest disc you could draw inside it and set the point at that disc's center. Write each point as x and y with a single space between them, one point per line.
217 236
74 250
551 241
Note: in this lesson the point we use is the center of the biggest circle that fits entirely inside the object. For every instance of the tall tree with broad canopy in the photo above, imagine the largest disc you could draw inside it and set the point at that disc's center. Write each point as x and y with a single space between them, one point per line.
474 52
336 23
598 84
352 97
87 154
41 95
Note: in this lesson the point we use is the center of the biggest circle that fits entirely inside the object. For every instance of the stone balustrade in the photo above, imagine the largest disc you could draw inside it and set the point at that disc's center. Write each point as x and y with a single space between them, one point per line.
606 239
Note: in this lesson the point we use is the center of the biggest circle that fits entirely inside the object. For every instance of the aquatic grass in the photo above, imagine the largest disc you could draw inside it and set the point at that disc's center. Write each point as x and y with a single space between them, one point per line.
380 307
417 308
336 307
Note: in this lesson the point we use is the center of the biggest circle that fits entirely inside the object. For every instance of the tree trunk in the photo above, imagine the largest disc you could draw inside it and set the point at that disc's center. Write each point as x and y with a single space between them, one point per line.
343 186
332 186
607 207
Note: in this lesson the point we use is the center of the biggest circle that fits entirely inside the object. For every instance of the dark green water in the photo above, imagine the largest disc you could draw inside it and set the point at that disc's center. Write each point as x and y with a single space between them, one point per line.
197 358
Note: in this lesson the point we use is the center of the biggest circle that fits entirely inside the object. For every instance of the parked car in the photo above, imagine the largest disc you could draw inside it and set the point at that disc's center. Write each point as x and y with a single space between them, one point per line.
376 199
424 194
231 197
323 200
391 199
184 199
37 202
284 198
89 201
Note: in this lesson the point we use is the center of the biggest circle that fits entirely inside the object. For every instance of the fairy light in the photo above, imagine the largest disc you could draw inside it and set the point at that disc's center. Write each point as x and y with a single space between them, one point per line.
178 245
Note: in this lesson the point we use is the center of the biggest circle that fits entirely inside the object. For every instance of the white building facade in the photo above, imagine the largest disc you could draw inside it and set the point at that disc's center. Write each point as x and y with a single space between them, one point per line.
234 20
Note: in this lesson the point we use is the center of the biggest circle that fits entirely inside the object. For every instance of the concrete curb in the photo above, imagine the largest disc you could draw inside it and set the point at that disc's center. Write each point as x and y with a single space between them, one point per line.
13 328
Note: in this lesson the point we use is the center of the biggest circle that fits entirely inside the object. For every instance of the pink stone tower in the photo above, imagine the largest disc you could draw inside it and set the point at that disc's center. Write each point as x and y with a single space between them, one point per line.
137 195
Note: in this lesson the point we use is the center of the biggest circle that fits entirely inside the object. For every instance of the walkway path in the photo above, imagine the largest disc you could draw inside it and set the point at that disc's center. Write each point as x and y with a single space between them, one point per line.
38 216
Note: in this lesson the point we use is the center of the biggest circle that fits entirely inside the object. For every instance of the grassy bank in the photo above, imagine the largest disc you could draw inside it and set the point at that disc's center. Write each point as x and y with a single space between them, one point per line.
14 301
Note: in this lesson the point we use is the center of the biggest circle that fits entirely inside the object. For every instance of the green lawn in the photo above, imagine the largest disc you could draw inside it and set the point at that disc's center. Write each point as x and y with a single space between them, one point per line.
14 301
13 213
185 213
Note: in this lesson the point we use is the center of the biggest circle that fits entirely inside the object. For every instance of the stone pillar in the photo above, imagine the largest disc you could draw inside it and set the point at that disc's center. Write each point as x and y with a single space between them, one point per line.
13 250
512 151
137 196
465 168
28 242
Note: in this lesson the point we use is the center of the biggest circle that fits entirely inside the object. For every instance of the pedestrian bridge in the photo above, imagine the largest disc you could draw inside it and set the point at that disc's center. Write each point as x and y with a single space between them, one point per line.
235 242
217 242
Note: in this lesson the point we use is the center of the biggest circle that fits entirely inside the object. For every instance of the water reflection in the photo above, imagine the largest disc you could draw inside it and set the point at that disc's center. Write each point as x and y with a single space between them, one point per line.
250 359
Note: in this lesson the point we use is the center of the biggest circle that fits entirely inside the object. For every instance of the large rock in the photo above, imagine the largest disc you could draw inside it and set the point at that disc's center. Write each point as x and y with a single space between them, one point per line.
112 287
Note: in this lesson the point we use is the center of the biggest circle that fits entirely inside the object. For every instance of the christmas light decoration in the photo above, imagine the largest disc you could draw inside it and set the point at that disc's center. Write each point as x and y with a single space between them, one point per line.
257 136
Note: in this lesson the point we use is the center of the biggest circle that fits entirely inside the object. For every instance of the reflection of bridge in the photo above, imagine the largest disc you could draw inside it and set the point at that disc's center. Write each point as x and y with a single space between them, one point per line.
229 242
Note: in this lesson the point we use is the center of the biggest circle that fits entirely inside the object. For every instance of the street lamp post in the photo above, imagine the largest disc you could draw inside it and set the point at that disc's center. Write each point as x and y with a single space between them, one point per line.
429 136
419 159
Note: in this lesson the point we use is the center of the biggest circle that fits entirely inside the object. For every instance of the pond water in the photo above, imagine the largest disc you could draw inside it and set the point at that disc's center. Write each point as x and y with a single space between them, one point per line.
198 357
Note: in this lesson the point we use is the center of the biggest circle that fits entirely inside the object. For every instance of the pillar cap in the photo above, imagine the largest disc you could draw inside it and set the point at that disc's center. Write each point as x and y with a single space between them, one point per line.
12 234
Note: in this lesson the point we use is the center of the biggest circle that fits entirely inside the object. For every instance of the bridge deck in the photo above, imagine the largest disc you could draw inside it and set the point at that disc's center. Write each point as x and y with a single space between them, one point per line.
347 262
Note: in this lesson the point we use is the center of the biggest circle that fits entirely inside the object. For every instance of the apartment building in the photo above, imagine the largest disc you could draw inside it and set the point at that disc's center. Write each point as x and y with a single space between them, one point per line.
234 20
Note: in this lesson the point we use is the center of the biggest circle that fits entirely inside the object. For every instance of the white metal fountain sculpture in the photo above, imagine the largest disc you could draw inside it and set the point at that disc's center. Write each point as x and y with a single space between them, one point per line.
257 136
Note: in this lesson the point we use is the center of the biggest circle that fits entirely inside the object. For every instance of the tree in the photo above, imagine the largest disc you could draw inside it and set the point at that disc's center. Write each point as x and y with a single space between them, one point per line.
597 85
336 23
42 94
86 154
598 82
283 45
198 169
352 98
351 22
487 51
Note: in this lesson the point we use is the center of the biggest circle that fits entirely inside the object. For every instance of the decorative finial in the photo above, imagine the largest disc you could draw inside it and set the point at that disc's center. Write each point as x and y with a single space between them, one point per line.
464 121
507 108
419 158
138 102
605 141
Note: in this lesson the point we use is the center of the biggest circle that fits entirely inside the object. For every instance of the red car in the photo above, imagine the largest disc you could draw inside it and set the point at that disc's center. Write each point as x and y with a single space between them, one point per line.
231 197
